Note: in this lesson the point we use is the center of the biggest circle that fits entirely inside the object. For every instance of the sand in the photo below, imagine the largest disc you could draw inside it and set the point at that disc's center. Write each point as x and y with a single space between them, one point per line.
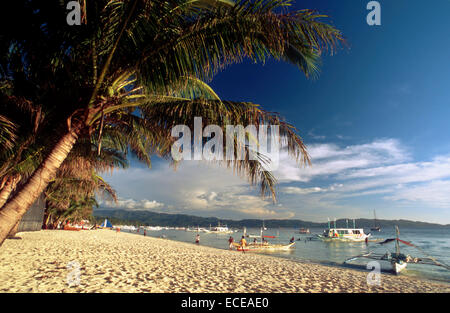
124 262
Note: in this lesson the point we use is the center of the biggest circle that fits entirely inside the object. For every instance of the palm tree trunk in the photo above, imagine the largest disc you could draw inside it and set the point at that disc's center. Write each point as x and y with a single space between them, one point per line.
10 185
14 230
5 192
15 208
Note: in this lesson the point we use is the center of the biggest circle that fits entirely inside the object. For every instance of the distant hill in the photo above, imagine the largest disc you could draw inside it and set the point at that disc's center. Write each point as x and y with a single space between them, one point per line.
148 218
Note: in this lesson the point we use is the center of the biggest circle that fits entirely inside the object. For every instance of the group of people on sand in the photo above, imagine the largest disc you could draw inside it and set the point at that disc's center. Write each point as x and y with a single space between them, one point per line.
242 242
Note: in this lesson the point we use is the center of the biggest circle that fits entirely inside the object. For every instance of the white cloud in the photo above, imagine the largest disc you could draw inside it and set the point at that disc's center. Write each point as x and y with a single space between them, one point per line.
305 191
330 159
381 171
238 201
336 182
132 204
435 193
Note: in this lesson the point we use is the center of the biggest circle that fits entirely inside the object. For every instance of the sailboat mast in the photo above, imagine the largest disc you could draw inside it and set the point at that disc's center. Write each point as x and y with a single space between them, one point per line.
397 245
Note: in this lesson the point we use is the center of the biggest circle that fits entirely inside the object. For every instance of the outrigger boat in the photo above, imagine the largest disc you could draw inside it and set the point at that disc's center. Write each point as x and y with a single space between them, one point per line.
263 245
398 260
343 234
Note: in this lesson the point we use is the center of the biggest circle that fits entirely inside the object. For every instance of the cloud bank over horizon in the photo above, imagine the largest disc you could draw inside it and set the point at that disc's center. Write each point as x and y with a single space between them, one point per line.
343 181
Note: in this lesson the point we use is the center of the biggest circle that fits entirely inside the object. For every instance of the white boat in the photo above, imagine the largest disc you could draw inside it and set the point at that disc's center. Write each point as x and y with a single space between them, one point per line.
220 229
154 228
198 230
343 234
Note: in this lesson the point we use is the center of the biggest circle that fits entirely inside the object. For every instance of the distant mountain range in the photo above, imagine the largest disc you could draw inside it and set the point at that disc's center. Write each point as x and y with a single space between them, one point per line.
136 217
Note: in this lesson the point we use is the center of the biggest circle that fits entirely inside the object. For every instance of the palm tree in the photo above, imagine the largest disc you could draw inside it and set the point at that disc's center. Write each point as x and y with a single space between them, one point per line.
72 194
144 63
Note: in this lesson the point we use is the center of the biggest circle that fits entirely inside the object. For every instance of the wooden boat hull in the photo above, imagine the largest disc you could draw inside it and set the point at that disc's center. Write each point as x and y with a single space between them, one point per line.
264 248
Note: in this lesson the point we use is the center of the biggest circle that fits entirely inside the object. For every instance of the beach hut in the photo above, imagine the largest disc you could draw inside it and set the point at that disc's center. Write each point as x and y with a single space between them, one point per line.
32 220
106 224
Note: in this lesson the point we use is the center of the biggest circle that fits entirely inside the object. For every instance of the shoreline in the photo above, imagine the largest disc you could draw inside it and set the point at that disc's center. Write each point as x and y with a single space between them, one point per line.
316 262
127 262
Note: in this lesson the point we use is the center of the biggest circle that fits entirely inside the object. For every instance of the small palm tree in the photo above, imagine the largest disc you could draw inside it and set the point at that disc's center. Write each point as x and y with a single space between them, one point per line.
141 66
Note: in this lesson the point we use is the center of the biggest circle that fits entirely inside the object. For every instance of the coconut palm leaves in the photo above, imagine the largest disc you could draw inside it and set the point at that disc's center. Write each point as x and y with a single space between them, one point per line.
182 40
77 182
131 71
7 133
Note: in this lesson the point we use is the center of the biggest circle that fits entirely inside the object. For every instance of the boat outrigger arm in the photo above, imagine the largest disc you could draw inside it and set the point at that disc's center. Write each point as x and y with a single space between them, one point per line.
398 260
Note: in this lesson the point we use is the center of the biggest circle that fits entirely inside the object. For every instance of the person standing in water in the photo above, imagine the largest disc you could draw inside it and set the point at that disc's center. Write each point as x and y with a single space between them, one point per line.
197 239
230 241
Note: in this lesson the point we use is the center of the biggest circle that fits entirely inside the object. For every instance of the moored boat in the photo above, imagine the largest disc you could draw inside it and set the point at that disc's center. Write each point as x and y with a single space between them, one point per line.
263 245
220 229
375 227
344 234
398 260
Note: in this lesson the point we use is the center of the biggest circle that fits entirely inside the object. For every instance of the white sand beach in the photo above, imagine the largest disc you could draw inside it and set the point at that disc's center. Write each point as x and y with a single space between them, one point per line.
124 262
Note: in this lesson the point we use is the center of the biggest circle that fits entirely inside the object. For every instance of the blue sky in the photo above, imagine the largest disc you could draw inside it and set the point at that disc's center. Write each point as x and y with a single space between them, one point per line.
375 122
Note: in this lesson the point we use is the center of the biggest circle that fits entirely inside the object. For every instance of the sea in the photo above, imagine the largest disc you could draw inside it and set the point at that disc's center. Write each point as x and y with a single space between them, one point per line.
311 249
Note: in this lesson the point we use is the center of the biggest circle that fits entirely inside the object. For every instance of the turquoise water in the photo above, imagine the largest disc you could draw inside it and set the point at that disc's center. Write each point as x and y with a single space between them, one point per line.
308 248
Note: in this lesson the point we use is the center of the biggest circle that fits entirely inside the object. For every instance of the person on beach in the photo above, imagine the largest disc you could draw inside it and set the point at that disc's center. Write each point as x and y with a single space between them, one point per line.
145 232
197 239
230 241
243 243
